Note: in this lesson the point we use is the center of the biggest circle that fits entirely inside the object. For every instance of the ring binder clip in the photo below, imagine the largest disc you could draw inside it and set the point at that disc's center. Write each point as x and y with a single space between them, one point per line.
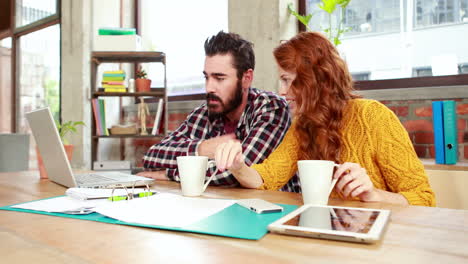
130 194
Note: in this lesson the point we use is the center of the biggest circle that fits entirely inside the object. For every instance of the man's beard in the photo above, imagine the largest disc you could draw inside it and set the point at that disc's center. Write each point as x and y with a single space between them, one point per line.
227 108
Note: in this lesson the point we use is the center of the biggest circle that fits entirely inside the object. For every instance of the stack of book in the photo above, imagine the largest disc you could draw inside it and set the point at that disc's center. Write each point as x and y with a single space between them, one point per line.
113 81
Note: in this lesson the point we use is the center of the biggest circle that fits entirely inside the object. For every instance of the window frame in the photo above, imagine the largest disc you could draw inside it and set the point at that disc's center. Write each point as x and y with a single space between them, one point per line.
401 83
16 33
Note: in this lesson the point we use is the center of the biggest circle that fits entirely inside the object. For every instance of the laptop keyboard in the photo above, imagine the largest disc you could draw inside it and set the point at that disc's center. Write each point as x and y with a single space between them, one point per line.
91 178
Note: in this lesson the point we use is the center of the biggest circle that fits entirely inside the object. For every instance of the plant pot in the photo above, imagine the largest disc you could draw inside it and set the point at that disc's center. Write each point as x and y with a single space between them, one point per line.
143 85
40 163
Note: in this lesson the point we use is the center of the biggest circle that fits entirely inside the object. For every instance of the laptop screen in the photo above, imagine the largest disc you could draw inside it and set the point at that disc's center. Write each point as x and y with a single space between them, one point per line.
50 146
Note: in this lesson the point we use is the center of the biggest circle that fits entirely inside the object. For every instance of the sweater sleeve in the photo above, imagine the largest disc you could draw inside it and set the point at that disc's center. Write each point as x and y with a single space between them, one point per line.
281 165
401 168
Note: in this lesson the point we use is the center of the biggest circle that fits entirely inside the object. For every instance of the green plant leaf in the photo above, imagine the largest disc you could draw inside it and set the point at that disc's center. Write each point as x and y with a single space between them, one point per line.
336 41
67 127
303 19
328 6
343 3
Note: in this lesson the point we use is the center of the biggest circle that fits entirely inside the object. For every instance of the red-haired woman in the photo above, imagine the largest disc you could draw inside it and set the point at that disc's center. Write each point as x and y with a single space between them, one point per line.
378 162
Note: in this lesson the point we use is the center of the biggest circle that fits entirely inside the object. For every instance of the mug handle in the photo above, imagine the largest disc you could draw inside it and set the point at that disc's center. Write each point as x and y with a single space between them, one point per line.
333 181
212 175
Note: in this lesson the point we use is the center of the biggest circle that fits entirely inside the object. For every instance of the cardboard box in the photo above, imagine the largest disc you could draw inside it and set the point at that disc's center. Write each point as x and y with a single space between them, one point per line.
117 43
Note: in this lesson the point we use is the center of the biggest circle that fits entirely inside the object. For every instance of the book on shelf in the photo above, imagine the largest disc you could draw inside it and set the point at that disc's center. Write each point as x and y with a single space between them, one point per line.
112 83
115 72
438 124
99 111
97 116
444 120
116 31
115 90
450 132
158 117
113 86
113 78
102 107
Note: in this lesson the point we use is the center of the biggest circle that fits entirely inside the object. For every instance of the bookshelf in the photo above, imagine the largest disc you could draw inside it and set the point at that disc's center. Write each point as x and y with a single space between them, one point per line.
135 58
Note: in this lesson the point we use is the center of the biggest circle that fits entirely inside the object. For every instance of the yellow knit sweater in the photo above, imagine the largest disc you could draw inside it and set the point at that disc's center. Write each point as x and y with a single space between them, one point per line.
373 137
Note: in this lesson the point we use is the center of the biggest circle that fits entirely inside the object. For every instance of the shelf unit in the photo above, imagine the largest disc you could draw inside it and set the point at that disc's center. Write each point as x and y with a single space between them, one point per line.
156 92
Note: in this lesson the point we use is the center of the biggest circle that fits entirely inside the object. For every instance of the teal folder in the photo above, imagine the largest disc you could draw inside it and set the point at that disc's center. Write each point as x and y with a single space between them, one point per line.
450 132
438 124
234 221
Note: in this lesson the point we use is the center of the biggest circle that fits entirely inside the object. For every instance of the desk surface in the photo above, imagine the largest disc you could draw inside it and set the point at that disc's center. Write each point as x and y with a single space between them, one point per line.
414 235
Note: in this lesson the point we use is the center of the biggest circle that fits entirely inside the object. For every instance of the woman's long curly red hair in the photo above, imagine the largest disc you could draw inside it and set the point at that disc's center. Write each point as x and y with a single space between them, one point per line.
322 88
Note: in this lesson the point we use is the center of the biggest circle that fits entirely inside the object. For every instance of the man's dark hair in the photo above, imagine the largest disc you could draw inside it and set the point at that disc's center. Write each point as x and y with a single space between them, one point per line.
231 43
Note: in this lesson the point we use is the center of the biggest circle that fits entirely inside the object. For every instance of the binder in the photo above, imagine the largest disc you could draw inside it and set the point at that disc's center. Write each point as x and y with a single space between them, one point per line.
438 124
234 221
450 132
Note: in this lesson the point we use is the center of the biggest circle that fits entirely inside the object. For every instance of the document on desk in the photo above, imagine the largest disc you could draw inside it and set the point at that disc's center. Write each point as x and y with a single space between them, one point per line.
164 209
60 204
94 193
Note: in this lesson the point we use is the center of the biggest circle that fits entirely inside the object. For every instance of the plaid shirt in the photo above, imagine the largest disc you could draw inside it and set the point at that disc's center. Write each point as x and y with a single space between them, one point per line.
261 128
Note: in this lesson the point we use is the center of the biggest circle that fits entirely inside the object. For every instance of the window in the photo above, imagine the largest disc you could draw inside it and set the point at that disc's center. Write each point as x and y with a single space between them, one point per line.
422 72
363 76
180 28
5 86
436 12
39 69
463 68
361 16
29 62
30 11
401 39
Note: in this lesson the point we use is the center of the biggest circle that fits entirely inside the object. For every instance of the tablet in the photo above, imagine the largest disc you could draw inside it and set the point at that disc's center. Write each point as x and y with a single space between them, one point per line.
334 222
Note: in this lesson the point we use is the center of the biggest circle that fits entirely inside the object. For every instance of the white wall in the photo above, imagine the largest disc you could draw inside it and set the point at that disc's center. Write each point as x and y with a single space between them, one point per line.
265 23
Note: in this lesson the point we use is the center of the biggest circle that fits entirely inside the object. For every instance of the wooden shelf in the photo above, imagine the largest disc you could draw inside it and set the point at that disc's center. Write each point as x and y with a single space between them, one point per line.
130 136
128 56
152 96
159 92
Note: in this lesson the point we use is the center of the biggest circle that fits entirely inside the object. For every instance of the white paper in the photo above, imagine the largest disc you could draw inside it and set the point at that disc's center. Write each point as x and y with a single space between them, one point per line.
60 204
164 209
90 193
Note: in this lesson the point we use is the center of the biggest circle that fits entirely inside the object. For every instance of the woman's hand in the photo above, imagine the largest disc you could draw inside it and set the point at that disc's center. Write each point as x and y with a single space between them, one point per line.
228 156
353 181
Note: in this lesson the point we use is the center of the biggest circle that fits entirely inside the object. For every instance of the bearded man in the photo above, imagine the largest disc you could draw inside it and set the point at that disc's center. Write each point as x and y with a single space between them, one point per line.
233 110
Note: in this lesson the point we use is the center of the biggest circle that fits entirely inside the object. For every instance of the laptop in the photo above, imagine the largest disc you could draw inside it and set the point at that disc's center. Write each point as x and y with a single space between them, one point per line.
56 163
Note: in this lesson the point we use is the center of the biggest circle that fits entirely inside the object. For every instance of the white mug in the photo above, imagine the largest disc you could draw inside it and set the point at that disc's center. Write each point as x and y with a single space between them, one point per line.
192 172
316 180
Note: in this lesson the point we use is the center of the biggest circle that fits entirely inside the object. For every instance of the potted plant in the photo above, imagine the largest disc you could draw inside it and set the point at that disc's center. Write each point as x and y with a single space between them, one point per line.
334 31
142 83
64 129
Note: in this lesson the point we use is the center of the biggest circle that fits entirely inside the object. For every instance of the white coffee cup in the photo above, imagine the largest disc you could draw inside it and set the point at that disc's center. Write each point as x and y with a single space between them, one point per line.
316 180
192 173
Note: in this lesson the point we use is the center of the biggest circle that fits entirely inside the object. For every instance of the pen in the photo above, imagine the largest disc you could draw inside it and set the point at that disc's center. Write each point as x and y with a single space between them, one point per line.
131 196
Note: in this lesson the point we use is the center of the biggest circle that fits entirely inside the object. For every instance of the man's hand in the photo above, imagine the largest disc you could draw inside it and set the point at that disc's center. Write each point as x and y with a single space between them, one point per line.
208 147
157 175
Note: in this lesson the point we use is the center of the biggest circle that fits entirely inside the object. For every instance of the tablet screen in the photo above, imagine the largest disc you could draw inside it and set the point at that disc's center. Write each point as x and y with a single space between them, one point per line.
351 220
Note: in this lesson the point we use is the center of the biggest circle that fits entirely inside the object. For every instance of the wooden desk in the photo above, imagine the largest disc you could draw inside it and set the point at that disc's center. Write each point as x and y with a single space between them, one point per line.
414 235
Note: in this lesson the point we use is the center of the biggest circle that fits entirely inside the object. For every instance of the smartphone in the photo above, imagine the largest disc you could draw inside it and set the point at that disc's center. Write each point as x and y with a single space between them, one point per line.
260 206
